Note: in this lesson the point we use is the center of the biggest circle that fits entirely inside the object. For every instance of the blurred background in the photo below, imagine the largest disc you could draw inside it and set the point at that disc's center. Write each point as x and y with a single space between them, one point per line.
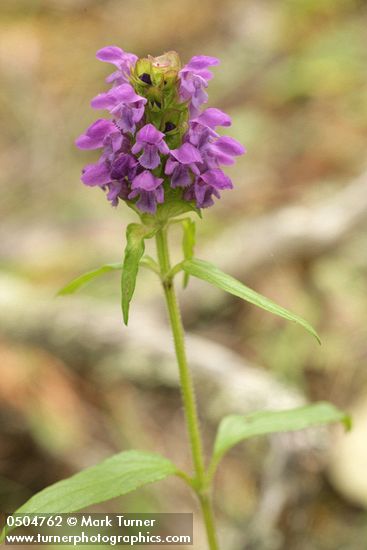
75 385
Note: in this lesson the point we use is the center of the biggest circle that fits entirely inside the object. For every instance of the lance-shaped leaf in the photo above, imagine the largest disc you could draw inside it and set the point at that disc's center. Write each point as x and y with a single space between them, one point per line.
236 428
115 476
210 273
80 281
135 235
188 243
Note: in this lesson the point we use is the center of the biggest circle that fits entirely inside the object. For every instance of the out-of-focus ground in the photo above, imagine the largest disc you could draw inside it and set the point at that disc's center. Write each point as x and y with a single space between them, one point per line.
293 77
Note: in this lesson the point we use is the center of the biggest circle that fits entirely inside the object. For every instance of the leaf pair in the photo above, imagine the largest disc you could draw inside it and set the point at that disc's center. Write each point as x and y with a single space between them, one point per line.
136 234
130 470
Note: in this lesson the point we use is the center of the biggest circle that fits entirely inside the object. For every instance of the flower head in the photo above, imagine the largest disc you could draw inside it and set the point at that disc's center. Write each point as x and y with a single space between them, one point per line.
159 142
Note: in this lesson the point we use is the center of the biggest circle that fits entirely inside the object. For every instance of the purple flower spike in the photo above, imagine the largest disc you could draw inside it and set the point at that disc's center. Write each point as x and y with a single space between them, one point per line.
150 189
154 106
124 62
124 104
95 135
150 141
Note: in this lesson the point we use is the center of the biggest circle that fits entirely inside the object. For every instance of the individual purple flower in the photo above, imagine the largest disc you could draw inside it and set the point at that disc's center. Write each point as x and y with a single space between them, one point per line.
182 165
194 78
206 185
214 149
199 134
149 188
151 142
95 135
115 143
96 174
223 149
124 62
124 166
122 102
117 190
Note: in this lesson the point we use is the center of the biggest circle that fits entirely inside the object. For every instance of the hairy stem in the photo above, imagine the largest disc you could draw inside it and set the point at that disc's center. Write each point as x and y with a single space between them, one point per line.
187 388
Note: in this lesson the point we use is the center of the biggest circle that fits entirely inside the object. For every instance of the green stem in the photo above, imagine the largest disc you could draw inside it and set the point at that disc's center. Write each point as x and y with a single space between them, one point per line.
187 388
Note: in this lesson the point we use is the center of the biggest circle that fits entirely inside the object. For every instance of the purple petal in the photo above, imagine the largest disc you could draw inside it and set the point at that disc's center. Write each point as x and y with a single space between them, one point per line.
159 194
181 177
121 94
205 75
213 160
121 166
117 56
189 193
170 166
199 62
117 141
149 134
186 154
216 178
95 134
110 54
128 117
163 147
148 199
146 202
126 93
204 196
103 101
214 117
150 157
116 75
146 181
96 174
229 146
117 189
136 148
